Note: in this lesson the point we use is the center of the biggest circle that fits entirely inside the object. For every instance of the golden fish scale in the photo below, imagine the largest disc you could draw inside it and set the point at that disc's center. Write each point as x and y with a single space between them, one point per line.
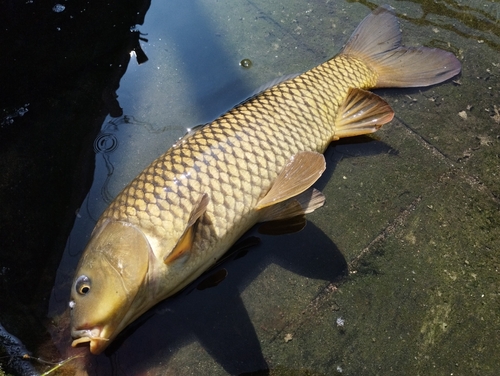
236 158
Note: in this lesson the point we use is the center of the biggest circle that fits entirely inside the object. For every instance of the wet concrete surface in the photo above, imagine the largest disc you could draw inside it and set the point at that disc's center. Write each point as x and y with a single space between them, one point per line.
412 216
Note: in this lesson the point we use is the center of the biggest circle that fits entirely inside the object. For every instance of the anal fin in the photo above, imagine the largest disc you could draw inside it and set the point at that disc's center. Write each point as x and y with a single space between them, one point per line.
301 171
304 203
185 242
289 216
362 112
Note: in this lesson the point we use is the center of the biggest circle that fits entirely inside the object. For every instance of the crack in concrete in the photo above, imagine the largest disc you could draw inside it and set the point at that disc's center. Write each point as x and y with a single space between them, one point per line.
474 182
386 232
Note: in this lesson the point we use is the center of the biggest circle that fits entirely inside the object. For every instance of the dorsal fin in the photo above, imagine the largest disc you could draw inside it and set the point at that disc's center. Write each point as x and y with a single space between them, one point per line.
272 83
268 85
185 242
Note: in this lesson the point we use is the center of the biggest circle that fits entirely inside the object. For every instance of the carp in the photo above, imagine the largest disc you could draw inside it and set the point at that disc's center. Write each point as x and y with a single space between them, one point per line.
255 163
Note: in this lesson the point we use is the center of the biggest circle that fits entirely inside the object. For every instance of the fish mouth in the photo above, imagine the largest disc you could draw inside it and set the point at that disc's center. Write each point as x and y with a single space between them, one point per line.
97 342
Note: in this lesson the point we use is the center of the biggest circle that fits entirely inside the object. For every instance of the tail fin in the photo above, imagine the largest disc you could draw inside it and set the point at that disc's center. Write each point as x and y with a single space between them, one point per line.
377 40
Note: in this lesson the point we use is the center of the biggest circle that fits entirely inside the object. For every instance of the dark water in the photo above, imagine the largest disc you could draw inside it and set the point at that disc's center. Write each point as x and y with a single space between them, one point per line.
81 117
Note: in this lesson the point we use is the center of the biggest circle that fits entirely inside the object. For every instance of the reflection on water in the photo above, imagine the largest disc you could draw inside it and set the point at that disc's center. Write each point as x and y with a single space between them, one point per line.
195 67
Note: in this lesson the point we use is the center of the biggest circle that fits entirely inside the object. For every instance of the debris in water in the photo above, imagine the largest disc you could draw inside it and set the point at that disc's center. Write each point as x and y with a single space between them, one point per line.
58 8
246 63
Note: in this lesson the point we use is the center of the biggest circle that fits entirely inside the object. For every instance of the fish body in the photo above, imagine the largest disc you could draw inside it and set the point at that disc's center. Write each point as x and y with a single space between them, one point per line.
255 163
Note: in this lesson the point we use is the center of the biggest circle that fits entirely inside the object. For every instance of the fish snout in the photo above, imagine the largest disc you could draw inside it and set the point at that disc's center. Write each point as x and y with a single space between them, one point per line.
97 342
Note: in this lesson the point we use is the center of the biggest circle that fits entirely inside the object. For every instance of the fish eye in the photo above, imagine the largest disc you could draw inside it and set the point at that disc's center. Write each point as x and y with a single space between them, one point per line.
82 285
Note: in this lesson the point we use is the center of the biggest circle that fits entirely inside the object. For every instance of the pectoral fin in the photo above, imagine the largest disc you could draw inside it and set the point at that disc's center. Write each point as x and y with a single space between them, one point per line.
362 112
186 240
301 171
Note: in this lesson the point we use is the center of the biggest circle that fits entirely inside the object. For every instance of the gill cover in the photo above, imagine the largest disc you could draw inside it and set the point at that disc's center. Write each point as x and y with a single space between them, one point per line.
110 274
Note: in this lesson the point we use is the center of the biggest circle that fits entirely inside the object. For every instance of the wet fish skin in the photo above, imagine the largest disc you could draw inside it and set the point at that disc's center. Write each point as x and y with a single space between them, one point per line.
238 156
182 213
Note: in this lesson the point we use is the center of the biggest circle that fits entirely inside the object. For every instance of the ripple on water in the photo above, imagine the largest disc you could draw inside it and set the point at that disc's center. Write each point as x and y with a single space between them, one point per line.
105 143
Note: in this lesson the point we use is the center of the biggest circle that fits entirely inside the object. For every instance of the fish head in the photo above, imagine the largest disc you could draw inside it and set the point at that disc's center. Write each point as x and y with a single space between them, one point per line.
108 290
